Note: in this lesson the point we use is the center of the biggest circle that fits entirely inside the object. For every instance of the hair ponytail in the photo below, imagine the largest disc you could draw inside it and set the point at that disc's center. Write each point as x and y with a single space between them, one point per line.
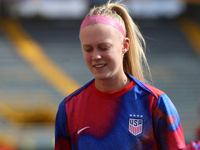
135 56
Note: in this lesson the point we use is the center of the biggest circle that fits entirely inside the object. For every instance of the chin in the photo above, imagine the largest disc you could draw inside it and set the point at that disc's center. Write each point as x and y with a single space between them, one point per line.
100 78
103 76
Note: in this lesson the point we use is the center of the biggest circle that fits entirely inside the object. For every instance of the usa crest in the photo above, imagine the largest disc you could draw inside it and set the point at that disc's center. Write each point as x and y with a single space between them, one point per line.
135 126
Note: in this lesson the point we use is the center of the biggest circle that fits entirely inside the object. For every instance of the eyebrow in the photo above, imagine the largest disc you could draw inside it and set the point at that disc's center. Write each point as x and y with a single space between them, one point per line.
100 43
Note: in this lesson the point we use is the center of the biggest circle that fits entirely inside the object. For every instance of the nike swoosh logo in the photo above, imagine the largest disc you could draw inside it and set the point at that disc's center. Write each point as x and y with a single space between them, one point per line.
79 131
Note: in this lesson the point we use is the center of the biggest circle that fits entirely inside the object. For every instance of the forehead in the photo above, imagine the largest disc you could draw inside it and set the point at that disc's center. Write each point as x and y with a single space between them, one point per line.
98 31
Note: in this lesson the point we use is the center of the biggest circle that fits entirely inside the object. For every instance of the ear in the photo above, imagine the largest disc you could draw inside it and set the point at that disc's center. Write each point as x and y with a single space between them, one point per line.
126 43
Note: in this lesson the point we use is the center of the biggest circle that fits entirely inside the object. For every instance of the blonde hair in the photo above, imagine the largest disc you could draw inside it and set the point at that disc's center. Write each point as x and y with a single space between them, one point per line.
135 56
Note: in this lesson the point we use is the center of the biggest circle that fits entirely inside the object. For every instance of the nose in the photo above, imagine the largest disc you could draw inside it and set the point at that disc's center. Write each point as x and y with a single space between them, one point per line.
96 55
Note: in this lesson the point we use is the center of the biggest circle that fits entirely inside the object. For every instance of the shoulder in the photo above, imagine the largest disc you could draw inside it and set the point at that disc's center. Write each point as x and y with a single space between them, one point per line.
77 92
153 90
148 88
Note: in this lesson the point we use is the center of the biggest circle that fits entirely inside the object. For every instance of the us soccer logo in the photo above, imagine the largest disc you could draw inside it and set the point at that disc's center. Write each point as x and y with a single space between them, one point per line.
135 126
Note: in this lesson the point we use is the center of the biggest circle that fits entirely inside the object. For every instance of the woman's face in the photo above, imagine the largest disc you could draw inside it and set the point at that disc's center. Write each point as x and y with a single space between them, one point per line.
103 50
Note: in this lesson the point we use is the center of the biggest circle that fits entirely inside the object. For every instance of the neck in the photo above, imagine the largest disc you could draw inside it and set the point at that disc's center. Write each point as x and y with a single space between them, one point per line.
112 84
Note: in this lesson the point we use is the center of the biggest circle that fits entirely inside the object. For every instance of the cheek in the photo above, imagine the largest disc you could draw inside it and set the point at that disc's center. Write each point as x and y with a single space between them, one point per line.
112 59
115 55
87 57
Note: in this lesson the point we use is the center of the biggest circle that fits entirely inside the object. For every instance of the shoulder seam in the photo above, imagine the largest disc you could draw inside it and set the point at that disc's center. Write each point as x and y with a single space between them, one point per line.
69 97
144 87
153 90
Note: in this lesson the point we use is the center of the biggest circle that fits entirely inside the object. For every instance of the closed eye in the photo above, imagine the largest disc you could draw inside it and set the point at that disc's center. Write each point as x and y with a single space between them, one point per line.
88 50
104 48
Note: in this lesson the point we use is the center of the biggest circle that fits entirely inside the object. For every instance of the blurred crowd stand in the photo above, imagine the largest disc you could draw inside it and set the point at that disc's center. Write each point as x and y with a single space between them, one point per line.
76 10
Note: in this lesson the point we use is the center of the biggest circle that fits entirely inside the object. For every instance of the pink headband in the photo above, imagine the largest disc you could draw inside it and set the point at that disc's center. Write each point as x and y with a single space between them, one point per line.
94 19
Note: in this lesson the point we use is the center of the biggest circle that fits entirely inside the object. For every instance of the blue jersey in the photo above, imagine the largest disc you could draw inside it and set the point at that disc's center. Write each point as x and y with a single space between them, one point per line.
138 117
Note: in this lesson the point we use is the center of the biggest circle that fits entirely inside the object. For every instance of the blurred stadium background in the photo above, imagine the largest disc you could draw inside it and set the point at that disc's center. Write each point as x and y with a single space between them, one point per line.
41 62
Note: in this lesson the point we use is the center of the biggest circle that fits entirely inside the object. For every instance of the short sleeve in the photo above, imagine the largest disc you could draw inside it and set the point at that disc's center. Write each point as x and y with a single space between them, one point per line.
62 140
193 146
167 125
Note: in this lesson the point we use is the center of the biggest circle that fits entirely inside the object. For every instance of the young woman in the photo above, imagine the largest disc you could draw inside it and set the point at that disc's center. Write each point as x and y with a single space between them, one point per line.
117 110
